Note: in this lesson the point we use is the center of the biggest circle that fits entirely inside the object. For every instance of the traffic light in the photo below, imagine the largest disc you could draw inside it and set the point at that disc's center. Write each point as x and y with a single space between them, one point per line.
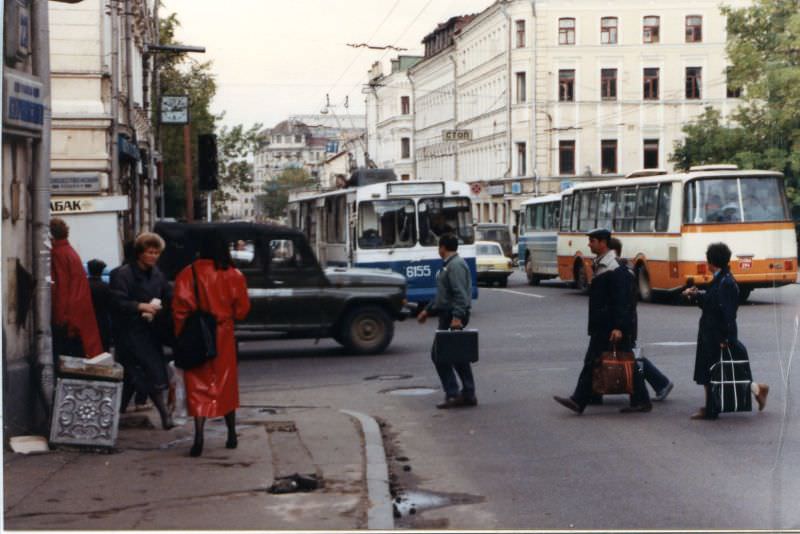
207 162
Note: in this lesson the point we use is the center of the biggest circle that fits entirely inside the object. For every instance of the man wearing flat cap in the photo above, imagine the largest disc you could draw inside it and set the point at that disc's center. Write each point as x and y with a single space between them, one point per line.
610 323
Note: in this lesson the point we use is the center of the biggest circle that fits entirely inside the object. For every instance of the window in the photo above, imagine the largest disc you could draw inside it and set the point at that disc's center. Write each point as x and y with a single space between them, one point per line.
335 219
694 29
608 84
405 147
626 210
712 201
405 177
445 215
566 212
521 87
405 105
587 213
664 198
520 34
386 224
298 138
566 85
650 89
732 90
605 209
693 80
646 209
608 30
521 159
650 27
608 156
566 157
566 31
651 153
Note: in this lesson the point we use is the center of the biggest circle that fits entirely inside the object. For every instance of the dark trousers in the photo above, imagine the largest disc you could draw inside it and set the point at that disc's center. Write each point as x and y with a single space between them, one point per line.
64 344
447 372
583 389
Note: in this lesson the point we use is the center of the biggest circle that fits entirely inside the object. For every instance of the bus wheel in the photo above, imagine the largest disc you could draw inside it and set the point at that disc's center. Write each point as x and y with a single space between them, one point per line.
533 280
744 294
581 282
367 330
643 283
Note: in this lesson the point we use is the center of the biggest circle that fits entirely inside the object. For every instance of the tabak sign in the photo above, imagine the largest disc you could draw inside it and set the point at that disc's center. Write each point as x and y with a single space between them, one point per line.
71 205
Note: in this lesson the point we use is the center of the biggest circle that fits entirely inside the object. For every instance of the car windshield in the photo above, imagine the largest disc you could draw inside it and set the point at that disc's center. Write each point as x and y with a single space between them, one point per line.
386 224
489 250
439 216
746 199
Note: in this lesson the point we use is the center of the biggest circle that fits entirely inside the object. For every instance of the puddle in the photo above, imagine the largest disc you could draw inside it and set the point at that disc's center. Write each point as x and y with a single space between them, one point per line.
414 502
410 391
388 377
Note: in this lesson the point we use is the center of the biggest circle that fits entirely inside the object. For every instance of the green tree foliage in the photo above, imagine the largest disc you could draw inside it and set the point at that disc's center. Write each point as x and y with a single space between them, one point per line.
235 147
764 50
275 200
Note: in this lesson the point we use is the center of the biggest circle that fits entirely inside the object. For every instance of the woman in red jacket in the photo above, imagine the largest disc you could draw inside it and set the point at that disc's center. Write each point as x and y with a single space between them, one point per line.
212 390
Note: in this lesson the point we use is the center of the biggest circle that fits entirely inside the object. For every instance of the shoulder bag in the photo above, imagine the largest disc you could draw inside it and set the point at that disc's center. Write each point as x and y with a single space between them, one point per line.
197 342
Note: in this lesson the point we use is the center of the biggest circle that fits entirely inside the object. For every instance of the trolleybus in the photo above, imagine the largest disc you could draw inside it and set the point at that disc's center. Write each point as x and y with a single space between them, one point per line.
538 235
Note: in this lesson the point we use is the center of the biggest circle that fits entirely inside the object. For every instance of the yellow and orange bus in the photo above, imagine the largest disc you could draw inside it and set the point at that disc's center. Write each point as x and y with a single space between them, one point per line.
666 222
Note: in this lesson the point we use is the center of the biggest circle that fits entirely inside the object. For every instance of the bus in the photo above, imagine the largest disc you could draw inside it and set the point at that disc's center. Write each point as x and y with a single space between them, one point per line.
538 235
667 221
390 225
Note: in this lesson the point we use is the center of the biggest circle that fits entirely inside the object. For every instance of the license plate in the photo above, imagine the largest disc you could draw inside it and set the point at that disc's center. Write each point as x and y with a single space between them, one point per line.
745 263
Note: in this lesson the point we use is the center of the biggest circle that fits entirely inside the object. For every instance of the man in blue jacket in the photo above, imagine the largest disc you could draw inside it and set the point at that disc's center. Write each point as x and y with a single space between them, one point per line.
452 306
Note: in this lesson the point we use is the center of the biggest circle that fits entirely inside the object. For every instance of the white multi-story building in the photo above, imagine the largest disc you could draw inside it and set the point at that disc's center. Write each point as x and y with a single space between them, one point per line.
390 127
555 92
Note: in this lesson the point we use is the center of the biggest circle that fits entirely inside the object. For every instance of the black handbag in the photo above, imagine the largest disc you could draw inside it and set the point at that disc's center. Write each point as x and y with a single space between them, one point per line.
197 342
730 382
454 347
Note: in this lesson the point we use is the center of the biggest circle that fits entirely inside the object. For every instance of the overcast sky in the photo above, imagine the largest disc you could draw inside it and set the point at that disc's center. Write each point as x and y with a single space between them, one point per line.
275 58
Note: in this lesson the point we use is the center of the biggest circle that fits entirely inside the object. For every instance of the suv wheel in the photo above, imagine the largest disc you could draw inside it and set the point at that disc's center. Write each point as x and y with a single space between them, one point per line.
367 330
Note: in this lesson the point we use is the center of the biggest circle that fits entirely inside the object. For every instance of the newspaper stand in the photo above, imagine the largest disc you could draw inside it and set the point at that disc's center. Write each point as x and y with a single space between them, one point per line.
86 405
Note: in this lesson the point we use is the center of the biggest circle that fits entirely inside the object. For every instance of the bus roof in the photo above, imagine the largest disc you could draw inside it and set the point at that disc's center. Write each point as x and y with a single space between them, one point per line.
450 188
555 197
676 177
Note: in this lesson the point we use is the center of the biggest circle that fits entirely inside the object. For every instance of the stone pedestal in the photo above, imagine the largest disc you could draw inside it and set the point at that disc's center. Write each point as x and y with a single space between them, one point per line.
86 406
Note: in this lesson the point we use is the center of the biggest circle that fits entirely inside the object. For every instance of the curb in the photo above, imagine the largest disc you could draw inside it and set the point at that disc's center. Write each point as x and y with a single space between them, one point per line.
380 514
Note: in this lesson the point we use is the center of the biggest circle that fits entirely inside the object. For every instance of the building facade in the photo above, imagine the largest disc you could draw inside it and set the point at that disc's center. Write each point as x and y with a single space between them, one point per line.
544 94
103 140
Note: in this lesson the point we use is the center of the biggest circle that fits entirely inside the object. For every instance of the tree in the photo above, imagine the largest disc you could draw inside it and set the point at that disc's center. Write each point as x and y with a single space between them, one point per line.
276 199
764 50
235 147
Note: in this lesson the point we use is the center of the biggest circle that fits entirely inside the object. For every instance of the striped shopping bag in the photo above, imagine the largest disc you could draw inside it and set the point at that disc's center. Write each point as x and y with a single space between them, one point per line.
730 382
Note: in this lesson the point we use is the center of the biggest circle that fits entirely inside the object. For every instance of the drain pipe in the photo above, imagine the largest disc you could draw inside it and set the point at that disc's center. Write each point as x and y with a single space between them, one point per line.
509 85
413 120
43 343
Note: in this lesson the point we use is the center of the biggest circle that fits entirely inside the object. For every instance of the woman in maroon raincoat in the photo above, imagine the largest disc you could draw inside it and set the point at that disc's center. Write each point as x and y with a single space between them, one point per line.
212 390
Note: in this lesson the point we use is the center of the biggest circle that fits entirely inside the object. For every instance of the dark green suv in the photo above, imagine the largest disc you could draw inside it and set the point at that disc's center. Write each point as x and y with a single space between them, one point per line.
290 295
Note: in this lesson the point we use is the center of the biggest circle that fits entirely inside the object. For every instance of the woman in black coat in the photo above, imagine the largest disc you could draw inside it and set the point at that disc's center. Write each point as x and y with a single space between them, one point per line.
718 330
142 295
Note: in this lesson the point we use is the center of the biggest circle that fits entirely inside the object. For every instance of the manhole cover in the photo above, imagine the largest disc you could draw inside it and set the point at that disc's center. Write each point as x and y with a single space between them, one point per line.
410 392
388 377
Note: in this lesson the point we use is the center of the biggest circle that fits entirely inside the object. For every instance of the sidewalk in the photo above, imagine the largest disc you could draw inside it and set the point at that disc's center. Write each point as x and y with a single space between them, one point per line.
152 483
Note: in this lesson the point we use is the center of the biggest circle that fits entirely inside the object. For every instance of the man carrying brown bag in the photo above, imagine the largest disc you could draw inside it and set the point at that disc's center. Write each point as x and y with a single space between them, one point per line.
610 324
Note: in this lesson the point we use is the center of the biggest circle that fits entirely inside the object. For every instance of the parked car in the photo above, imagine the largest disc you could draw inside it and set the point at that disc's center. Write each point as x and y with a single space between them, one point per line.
493 265
291 295
498 233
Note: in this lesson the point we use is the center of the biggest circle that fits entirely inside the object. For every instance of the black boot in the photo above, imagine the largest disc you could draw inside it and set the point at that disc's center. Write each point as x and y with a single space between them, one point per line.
160 400
197 447
127 393
230 421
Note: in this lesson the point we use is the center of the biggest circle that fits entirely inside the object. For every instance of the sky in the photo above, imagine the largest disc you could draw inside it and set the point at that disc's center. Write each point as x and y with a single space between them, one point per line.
275 58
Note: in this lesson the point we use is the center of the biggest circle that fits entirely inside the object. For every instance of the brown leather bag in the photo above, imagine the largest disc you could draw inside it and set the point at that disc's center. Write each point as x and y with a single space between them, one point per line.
613 373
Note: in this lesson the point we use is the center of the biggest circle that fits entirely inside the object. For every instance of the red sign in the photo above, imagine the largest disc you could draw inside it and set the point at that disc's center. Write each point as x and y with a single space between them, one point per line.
476 188
745 263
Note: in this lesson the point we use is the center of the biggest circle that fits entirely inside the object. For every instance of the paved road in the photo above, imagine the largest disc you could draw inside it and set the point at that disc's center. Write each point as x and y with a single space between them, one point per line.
519 460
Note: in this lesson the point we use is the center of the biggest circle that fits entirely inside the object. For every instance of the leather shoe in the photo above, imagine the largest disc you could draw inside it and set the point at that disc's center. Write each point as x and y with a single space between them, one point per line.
450 402
761 398
569 403
637 408
469 400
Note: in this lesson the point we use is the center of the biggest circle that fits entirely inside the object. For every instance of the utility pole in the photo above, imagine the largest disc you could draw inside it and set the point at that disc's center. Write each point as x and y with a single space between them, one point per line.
187 169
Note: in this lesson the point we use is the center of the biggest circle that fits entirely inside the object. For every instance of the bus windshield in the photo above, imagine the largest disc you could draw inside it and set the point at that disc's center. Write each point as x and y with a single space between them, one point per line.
438 216
727 200
386 224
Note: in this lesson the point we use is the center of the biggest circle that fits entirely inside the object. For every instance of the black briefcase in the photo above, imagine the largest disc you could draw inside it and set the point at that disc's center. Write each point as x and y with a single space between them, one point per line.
455 347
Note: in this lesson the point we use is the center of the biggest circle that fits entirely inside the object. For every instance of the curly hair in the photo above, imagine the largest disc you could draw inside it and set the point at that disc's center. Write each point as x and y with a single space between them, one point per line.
147 240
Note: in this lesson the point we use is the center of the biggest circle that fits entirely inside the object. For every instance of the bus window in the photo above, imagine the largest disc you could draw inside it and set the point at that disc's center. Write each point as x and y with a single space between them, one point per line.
662 216
763 200
438 216
626 210
566 213
386 224
605 209
588 213
646 209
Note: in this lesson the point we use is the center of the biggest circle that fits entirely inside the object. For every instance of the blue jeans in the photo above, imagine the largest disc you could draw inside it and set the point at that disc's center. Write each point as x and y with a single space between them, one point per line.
652 375
447 373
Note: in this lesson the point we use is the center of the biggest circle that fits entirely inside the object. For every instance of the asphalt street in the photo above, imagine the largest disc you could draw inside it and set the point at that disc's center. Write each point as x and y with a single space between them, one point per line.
519 460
